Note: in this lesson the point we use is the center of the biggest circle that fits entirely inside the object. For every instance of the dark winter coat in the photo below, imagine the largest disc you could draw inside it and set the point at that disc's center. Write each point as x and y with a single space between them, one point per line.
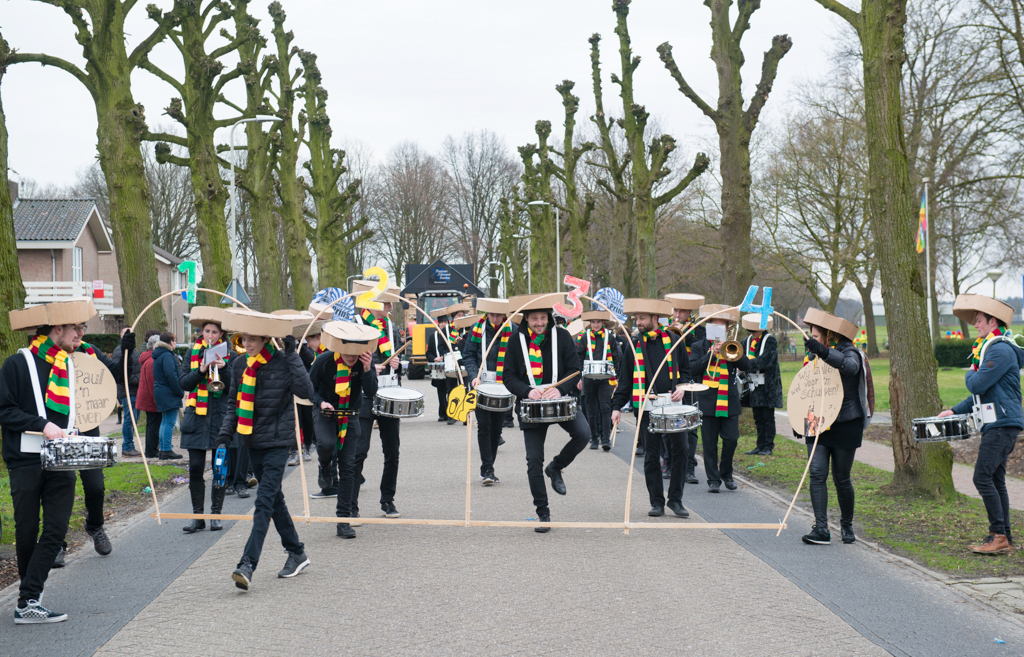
473 352
997 382
144 400
654 353
167 391
700 356
324 373
283 377
201 431
519 380
436 346
847 358
18 410
134 373
765 361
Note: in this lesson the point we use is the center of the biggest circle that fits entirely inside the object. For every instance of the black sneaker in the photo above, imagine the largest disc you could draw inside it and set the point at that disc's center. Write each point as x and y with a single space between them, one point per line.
593 445
507 424
848 536
487 479
389 510
730 484
58 561
295 564
767 451
251 481
293 457
818 536
242 491
606 446
691 478
442 419
753 452
169 456
714 486
100 541
243 574
32 612
451 421
330 492
639 451
345 530
678 509
229 490
543 518
656 511
557 484
501 441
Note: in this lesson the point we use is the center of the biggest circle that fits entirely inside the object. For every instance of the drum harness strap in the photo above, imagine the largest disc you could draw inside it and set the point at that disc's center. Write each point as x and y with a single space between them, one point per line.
554 356
34 375
604 352
979 409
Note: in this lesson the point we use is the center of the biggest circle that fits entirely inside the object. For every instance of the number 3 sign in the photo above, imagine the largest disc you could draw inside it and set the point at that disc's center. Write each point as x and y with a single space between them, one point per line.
580 287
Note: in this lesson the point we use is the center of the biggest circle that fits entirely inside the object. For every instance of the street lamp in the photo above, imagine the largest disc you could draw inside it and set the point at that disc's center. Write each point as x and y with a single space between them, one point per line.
995 275
529 260
558 242
505 278
348 281
231 232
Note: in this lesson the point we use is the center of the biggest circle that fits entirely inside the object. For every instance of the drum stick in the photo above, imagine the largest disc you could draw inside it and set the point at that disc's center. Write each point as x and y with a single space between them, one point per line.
558 383
397 353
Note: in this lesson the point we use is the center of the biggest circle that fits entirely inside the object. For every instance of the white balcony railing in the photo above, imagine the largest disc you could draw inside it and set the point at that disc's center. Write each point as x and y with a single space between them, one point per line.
38 292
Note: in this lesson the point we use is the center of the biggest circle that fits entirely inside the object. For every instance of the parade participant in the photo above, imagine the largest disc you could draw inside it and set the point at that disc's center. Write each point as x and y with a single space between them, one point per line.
994 383
485 338
309 351
540 354
343 376
597 343
437 347
260 408
386 364
764 382
832 341
684 310
204 409
93 486
720 403
653 345
26 379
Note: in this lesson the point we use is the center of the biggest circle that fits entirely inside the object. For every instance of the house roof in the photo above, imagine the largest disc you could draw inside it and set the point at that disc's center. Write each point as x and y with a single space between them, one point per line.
166 257
58 223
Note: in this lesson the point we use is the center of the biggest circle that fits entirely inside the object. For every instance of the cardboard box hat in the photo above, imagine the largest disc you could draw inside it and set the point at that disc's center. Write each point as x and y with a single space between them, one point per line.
440 313
463 306
831 322
73 311
752 322
250 322
683 301
602 315
390 295
467 321
966 305
530 302
349 338
710 308
200 316
648 306
490 305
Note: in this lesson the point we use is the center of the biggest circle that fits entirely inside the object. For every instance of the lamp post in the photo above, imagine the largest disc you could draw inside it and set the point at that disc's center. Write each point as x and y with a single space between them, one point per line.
558 242
231 229
529 260
348 281
505 276
995 275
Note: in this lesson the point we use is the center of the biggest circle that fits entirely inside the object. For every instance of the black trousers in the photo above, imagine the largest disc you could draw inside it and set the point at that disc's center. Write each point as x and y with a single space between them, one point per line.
764 419
153 421
33 488
337 466
534 435
488 433
444 388
990 476
690 438
269 466
842 463
599 410
390 442
238 465
197 485
711 429
306 425
676 444
94 492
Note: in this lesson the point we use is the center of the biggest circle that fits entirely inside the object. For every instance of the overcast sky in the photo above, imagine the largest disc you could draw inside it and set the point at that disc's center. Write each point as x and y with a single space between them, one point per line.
400 70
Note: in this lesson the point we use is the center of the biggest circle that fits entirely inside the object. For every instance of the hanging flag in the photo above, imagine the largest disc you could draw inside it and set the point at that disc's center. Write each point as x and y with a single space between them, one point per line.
922 229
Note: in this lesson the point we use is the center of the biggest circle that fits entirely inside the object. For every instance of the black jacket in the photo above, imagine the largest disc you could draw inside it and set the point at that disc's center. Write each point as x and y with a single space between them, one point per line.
700 356
323 375
765 361
473 352
18 408
274 417
597 347
201 431
519 380
134 372
846 358
654 353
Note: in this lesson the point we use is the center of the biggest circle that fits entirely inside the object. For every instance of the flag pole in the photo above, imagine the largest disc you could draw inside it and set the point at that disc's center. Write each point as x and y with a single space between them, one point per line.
928 260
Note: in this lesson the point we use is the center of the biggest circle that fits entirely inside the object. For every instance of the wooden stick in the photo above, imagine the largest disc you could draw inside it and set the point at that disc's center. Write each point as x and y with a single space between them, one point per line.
469 462
302 466
399 352
615 431
558 383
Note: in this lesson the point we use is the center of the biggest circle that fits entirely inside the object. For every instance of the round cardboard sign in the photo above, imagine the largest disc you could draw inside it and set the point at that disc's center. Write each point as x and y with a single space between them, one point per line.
95 392
809 411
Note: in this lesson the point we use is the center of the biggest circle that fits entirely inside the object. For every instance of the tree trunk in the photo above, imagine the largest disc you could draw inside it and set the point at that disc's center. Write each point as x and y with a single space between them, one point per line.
737 263
869 316
12 292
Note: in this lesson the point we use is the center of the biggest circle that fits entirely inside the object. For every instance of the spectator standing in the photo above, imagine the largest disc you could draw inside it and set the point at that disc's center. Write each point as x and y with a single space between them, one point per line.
167 392
144 400
126 395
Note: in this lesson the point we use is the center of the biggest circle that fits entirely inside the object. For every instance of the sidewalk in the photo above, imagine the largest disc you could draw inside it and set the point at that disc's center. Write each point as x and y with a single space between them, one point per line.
880 456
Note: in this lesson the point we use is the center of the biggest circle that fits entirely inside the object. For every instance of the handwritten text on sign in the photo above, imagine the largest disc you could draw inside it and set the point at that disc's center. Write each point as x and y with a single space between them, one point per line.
809 409
95 392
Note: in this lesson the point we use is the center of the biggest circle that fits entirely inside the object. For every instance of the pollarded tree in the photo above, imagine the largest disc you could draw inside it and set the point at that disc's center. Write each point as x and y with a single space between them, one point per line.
537 187
734 125
578 212
12 291
121 126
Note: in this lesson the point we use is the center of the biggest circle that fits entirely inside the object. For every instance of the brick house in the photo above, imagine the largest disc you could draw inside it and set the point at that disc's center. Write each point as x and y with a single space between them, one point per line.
65 250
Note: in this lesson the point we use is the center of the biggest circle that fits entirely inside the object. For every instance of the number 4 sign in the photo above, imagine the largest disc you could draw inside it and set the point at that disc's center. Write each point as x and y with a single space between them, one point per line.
765 309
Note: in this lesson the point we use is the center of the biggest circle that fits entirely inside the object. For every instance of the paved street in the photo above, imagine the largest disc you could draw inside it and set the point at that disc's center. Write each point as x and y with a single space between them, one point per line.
456 590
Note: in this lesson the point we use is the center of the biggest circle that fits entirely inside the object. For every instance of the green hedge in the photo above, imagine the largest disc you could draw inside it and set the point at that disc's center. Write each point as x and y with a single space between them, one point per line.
953 353
105 341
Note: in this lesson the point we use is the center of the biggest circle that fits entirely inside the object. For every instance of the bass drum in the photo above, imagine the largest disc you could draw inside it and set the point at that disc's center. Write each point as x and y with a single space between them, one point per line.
398 402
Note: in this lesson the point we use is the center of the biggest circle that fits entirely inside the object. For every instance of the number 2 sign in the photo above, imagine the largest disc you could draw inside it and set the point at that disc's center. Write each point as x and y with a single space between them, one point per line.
369 298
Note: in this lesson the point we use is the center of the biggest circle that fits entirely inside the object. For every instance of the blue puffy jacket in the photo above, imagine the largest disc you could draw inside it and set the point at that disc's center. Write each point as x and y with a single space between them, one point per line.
997 382
167 391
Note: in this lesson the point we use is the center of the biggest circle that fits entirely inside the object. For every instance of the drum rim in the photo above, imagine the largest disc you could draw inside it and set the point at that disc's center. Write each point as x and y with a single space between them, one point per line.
416 394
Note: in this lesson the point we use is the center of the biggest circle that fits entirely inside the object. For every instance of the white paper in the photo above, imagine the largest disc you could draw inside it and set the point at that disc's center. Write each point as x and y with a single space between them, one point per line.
211 353
715 332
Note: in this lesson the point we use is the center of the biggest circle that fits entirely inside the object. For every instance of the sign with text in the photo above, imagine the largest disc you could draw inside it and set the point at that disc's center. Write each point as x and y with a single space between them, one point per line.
814 400
97 289
95 392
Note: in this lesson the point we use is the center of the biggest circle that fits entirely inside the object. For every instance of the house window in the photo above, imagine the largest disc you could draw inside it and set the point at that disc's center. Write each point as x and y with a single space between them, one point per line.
76 264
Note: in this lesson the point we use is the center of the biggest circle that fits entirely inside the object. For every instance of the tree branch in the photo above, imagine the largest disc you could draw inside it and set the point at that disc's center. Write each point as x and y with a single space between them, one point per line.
49 60
780 46
177 140
665 52
700 165
165 21
850 16
147 65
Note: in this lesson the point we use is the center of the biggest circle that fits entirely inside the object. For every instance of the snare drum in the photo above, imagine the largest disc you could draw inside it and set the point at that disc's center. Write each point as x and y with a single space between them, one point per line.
941 429
436 371
78 453
335 413
451 364
387 380
560 409
598 369
494 397
398 402
674 419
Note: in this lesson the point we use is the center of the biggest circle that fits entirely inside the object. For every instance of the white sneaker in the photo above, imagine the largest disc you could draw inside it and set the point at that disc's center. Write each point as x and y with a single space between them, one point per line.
33 613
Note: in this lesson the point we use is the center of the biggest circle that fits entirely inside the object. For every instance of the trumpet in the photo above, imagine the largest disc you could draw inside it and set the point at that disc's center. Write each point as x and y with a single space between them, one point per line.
731 350
675 328
215 385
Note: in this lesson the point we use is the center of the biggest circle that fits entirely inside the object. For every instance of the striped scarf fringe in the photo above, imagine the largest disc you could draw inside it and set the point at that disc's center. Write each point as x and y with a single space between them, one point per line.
343 388
536 359
980 343
639 368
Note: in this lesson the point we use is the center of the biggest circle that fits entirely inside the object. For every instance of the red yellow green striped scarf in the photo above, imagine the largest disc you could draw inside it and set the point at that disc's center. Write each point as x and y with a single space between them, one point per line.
717 377
600 334
536 359
752 345
980 343
383 342
58 394
246 402
200 397
343 388
639 368
477 336
86 348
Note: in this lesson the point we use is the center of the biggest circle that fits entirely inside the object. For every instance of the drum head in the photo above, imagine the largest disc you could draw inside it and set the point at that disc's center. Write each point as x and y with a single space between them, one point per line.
399 394
493 390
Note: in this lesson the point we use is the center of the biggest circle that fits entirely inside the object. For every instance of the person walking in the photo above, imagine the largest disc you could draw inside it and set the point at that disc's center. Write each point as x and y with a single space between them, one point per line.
763 382
167 393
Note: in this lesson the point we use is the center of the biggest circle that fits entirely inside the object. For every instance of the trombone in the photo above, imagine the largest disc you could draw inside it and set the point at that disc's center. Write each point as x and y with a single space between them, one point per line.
731 350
